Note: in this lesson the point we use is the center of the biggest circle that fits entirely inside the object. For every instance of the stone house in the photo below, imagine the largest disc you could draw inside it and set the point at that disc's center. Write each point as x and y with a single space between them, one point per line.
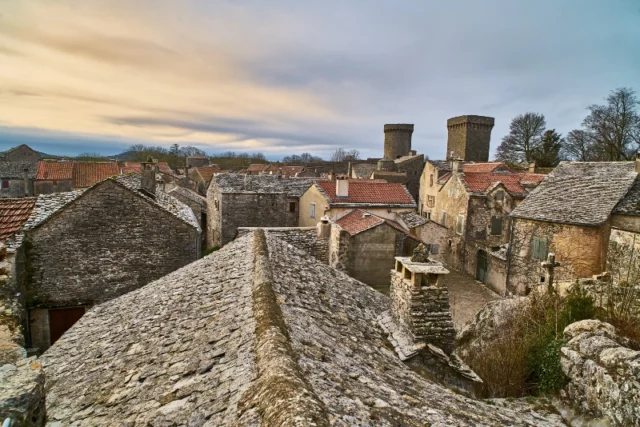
202 175
85 247
335 199
571 214
258 333
55 177
21 153
16 178
196 202
235 200
197 160
472 204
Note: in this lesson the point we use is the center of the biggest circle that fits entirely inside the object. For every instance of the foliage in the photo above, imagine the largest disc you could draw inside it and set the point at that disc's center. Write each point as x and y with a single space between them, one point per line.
91 157
547 363
524 138
579 146
302 158
341 155
237 161
547 153
209 251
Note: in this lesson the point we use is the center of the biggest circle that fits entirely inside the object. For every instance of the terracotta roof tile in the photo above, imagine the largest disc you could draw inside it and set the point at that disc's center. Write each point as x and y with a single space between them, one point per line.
368 193
55 170
480 177
359 220
257 167
136 167
13 214
206 172
485 167
87 174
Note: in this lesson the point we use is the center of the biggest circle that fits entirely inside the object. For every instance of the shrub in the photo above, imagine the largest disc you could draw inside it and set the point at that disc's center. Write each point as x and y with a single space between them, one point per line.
209 251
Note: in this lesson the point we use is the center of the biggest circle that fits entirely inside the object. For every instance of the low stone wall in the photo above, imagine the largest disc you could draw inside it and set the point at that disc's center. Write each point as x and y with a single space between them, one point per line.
303 238
22 395
12 312
604 373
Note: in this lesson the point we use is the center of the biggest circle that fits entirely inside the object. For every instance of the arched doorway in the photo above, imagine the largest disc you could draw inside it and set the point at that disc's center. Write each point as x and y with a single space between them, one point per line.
481 266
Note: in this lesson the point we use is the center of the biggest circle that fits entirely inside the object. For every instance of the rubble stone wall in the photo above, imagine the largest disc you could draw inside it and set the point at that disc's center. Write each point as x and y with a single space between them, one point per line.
22 394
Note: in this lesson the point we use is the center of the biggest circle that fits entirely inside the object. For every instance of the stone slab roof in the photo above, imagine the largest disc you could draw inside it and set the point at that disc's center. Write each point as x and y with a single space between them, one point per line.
630 204
15 170
369 193
47 204
364 170
412 219
248 184
582 193
13 215
357 221
433 267
258 333
55 170
188 194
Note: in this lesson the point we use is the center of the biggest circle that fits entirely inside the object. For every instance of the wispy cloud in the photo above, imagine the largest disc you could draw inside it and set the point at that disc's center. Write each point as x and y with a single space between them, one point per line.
286 76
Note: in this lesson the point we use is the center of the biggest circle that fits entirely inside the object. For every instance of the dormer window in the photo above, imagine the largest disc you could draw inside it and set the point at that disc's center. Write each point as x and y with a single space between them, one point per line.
499 195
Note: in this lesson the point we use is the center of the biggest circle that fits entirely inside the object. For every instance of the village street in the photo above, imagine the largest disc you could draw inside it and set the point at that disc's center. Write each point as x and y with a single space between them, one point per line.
466 296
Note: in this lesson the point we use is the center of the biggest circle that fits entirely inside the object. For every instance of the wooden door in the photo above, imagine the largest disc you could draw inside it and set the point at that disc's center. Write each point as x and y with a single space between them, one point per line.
61 319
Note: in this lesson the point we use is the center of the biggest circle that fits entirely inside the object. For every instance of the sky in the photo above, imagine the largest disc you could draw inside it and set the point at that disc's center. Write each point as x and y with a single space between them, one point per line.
287 76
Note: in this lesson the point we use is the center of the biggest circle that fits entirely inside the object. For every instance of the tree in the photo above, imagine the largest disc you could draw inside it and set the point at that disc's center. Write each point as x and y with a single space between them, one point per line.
547 154
341 155
615 126
579 146
524 138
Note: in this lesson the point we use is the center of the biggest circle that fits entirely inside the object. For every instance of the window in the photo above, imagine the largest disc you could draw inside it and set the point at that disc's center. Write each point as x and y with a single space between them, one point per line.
449 192
215 203
431 180
312 210
496 225
457 192
538 248
5 184
431 201
444 218
427 214
435 248
292 206
460 224
499 195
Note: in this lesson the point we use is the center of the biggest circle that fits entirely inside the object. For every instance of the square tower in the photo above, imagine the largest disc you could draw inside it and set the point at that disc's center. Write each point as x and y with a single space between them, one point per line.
469 137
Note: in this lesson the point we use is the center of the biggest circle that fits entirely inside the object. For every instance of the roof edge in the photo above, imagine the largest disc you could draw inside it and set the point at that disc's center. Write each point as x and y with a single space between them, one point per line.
281 393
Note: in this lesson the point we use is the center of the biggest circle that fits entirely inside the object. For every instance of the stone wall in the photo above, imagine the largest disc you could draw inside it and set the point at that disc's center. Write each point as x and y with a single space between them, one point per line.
303 238
23 153
413 168
12 313
581 251
339 248
16 188
22 394
423 311
603 372
104 244
470 137
48 187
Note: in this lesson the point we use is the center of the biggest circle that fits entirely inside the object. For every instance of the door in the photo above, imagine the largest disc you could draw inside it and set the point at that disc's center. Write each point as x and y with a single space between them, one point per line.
481 266
61 319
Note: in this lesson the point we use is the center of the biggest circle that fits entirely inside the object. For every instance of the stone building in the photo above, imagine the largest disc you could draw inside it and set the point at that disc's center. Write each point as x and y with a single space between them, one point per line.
196 202
570 214
54 177
16 178
84 247
235 200
472 203
197 160
258 333
21 153
335 199
202 175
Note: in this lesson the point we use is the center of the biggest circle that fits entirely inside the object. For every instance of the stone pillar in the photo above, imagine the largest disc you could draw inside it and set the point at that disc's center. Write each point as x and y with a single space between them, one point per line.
419 305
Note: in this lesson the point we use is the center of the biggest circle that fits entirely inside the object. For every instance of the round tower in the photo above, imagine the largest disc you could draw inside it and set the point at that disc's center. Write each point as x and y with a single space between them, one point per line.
397 140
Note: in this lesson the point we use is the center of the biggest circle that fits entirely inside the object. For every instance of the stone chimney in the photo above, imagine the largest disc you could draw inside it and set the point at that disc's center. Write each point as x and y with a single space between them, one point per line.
532 167
342 187
27 183
331 176
420 303
324 228
457 165
148 181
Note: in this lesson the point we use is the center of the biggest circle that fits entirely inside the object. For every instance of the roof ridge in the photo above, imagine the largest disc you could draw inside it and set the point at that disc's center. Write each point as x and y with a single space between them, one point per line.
281 393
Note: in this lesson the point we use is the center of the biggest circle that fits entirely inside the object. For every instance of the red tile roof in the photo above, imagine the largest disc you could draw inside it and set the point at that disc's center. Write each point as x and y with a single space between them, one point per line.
87 174
255 167
206 172
54 170
481 182
485 167
136 167
361 191
358 221
13 214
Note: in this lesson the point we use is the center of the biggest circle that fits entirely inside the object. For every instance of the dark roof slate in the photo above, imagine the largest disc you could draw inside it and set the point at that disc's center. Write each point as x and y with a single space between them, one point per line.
265 184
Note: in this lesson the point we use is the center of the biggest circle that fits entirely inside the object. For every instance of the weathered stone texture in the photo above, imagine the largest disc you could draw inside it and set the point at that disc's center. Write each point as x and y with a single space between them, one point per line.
22 394
604 373
303 238
397 140
470 137
104 244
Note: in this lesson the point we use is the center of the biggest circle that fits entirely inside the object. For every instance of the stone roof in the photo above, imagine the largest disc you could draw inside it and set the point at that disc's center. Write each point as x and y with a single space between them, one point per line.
258 333
13 214
249 184
364 170
47 204
357 221
55 170
582 193
86 174
15 170
630 204
366 193
411 219
188 194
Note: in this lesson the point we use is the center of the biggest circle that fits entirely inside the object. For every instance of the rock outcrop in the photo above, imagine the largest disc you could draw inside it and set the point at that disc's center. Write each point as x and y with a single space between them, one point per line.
604 373
22 393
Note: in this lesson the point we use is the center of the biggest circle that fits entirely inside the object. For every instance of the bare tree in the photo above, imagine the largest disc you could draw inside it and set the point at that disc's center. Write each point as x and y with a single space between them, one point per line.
579 146
341 155
524 138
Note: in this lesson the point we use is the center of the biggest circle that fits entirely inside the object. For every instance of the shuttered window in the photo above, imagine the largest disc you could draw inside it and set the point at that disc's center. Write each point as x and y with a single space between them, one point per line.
499 195
444 219
460 224
539 248
496 225
312 210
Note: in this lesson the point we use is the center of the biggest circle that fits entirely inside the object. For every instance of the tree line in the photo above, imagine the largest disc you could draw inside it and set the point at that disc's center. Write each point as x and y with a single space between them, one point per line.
609 132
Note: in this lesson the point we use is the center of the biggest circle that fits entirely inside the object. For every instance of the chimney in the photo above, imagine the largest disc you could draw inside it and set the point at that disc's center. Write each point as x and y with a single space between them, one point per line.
342 187
349 171
148 181
27 187
331 176
532 167
324 228
457 164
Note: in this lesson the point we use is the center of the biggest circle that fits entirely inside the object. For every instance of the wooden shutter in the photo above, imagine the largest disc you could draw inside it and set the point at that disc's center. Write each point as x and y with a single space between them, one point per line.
496 225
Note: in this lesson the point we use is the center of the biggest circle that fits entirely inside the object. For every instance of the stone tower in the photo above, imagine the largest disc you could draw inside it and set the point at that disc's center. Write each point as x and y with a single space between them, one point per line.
469 137
397 140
